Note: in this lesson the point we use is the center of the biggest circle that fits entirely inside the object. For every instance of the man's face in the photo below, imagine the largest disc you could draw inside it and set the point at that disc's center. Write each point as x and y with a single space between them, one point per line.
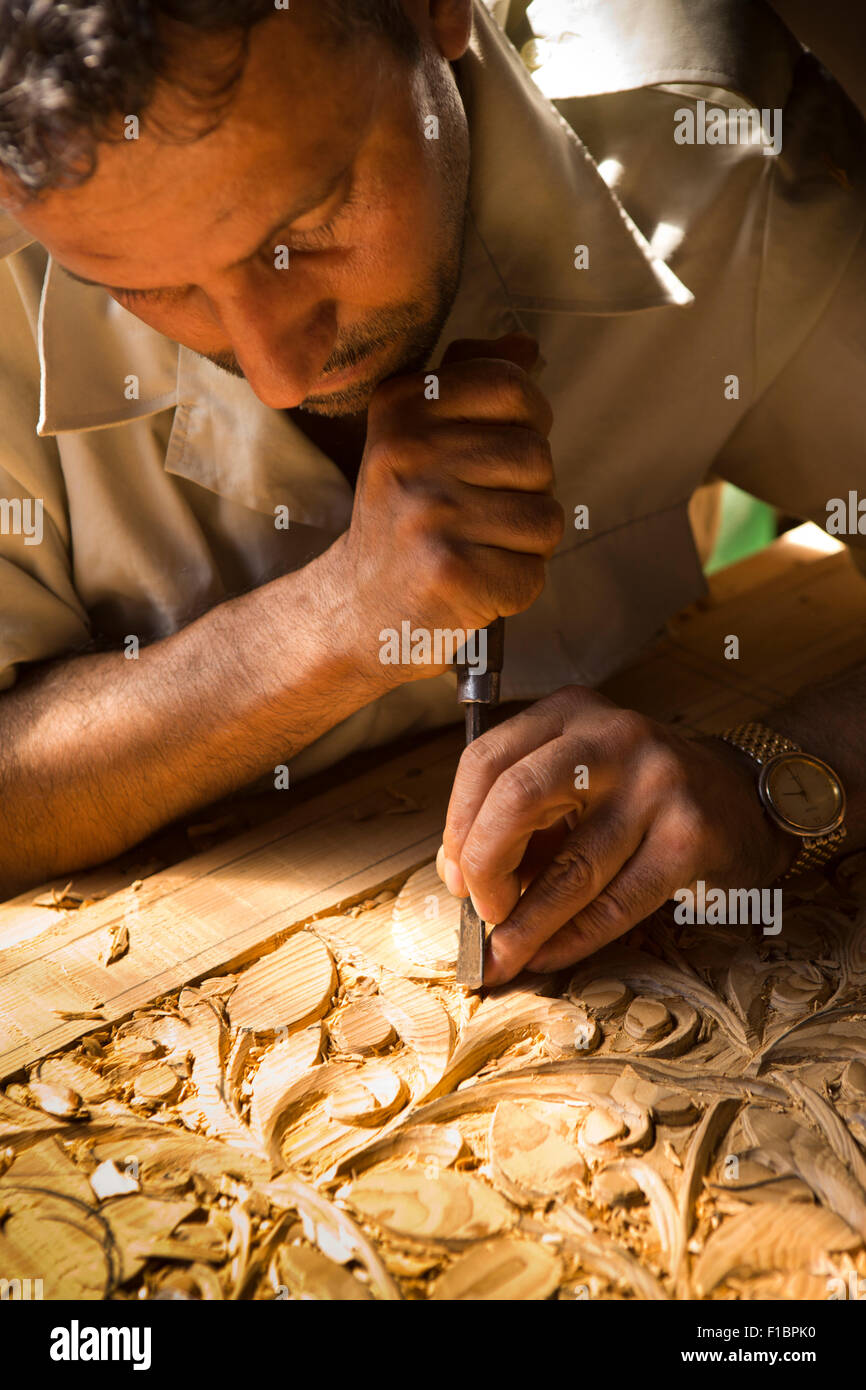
323 152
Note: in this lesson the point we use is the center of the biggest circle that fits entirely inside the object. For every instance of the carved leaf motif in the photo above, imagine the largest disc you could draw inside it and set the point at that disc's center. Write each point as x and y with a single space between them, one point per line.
770 1237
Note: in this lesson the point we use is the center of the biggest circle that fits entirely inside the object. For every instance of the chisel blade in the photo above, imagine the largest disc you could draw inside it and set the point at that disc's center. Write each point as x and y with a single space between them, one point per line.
477 691
470 951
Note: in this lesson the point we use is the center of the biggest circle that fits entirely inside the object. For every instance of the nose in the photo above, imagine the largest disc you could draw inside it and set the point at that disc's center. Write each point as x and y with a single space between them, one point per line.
280 330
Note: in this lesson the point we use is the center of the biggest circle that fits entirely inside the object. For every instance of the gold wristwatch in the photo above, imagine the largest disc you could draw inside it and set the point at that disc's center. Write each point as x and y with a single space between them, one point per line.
800 793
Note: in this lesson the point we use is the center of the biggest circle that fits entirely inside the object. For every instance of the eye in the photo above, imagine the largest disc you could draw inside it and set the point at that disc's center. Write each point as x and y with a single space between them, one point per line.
149 296
316 237
300 241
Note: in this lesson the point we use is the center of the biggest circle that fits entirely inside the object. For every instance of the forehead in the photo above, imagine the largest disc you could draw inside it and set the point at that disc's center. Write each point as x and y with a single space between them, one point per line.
302 110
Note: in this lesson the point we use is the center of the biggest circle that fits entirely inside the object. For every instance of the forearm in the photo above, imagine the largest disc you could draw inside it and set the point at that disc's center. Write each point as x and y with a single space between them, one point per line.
98 751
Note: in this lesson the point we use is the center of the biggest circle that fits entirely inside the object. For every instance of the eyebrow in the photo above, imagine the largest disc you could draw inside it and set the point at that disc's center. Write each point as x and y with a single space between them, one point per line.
320 194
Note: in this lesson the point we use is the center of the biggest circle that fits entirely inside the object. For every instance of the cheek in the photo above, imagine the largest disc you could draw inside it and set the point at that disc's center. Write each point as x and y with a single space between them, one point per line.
404 238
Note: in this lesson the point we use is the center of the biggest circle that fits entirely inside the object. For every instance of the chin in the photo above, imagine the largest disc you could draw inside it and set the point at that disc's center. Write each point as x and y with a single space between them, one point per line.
353 401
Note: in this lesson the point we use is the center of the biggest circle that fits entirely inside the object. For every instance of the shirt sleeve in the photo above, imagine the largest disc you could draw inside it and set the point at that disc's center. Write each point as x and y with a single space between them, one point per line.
41 616
802 446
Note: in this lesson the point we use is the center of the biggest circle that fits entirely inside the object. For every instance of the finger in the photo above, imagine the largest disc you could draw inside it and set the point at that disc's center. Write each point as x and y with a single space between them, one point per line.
491 389
488 757
542 846
509 457
504 582
522 523
589 860
532 794
635 893
520 348
450 874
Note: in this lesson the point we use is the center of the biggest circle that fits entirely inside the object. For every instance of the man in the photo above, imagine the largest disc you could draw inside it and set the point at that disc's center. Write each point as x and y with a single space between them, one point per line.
296 404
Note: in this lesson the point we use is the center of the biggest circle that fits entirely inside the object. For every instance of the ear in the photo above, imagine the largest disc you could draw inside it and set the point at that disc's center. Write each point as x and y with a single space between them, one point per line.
451 25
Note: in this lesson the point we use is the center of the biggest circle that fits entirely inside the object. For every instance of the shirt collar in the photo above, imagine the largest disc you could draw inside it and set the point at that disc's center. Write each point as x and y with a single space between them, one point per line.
535 194
590 47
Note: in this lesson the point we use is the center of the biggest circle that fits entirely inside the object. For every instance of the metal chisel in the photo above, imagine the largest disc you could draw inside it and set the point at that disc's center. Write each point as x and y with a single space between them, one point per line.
477 691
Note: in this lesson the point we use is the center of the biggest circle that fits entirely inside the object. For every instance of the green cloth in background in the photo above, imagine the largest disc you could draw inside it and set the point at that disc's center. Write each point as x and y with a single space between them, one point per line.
747 525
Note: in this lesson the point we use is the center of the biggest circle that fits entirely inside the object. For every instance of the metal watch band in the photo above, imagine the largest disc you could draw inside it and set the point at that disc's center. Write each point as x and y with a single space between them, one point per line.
762 744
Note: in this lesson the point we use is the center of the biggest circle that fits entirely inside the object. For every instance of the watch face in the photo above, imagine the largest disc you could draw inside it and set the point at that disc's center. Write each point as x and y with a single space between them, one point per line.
804 793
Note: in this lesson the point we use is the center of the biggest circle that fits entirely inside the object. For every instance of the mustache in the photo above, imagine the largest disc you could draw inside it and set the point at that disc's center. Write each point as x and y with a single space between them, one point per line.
379 331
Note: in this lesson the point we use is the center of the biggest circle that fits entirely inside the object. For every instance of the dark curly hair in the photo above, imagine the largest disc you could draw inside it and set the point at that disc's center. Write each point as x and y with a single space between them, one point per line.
70 68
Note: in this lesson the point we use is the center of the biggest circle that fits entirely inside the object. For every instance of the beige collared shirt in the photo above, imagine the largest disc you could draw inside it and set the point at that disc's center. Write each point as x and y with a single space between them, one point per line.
703 264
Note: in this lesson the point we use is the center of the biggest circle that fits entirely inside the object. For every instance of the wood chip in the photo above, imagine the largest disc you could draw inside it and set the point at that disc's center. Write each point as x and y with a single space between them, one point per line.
506 1269
115 946
60 898
107 1180
287 989
309 1274
60 1101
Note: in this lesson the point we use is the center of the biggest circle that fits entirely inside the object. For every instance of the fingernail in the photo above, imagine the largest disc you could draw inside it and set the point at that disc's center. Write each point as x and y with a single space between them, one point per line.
453 878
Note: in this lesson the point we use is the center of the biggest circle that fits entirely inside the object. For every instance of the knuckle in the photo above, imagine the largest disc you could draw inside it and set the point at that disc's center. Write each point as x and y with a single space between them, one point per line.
532 583
508 385
519 790
447 570
479 757
390 455
516 590
473 861
632 726
610 913
667 773
572 872
687 833
388 394
553 528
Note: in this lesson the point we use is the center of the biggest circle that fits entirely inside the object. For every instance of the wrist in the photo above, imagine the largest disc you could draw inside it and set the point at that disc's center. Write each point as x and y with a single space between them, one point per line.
777 850
349 623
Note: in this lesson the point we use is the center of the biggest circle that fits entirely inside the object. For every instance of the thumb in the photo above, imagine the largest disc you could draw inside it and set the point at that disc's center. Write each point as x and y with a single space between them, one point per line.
520 348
